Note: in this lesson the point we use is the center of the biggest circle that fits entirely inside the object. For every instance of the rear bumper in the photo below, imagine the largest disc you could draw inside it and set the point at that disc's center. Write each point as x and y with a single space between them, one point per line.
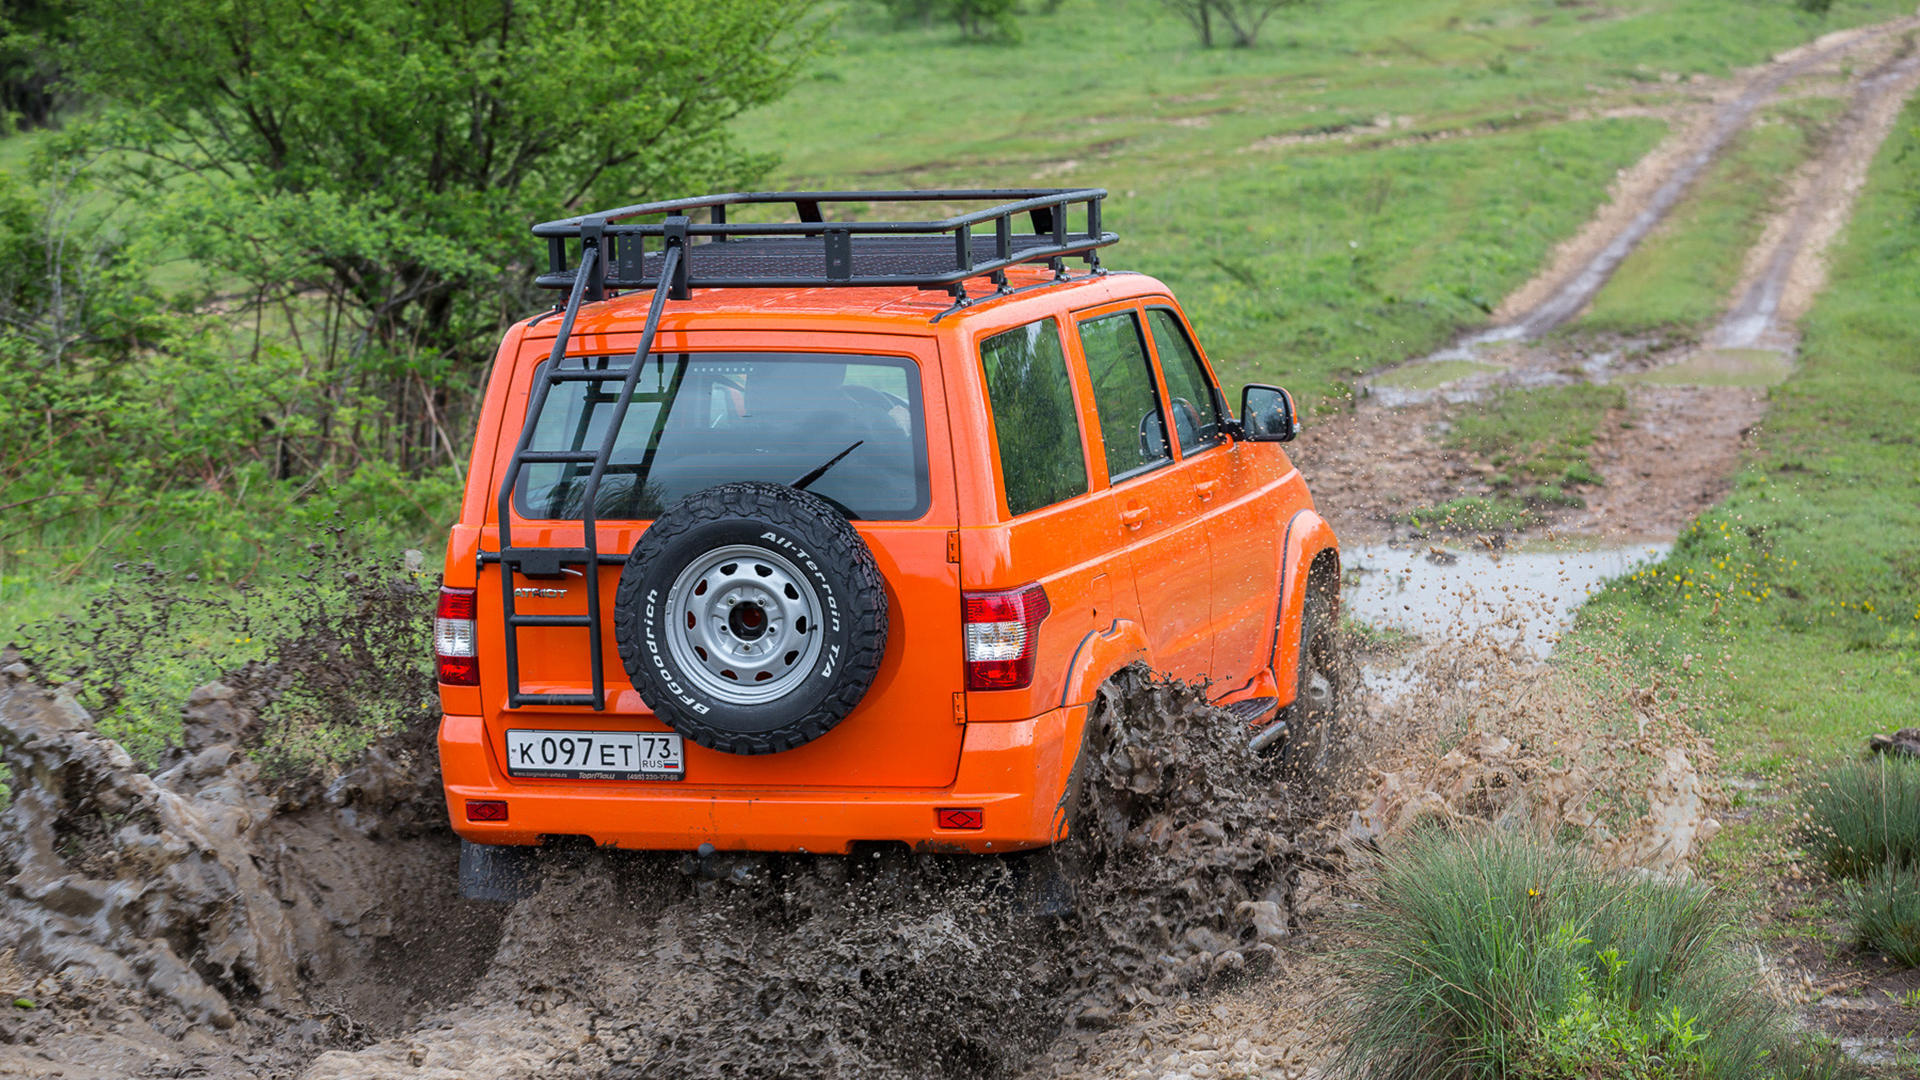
1015 773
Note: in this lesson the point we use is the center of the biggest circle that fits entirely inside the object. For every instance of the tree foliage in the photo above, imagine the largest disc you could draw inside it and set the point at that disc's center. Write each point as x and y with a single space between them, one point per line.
30 33
1240 19
978 20
367 170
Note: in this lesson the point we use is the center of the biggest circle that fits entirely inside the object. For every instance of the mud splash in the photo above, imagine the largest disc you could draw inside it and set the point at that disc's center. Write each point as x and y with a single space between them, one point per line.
216 929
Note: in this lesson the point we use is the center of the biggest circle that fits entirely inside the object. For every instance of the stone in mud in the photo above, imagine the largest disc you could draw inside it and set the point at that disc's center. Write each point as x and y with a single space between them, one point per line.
1902 743
214 716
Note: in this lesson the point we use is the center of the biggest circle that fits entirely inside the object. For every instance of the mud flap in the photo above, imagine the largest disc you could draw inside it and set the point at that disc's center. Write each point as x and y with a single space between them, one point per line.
497 873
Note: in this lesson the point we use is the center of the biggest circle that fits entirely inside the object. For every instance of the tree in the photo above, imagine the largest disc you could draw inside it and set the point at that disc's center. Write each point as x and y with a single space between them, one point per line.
978 20
369 169
30 34
1242 18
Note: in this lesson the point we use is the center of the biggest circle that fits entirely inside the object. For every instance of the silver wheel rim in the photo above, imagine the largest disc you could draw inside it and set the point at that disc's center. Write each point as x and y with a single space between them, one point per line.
743 624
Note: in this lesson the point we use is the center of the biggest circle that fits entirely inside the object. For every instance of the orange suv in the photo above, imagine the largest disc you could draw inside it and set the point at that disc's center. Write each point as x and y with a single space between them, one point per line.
797 535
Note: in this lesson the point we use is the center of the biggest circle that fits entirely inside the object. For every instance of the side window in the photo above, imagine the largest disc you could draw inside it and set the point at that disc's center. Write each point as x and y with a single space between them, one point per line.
1130 419
1034 419
1194 419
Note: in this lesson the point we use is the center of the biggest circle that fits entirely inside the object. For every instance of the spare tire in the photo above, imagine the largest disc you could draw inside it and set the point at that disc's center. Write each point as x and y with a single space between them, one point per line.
751 617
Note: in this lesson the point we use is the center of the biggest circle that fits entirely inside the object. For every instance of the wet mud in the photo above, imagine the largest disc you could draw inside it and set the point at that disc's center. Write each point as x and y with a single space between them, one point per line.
190 919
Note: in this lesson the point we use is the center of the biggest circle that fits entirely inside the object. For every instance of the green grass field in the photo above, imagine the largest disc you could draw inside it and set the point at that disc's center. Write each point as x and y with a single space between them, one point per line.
1367 182
1800 595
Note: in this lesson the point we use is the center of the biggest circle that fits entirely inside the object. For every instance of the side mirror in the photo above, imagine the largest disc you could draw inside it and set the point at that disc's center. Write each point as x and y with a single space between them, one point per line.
1267 414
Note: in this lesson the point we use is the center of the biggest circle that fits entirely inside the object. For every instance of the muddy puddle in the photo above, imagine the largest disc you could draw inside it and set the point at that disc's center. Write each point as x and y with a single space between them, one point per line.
1523 597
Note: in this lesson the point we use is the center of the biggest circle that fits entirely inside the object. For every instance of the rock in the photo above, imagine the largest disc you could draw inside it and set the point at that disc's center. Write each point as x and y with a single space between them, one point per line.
214 716
1902 743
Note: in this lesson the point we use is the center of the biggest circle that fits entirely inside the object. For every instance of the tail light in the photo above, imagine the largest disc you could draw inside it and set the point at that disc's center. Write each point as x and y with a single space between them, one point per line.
1003 636
453 638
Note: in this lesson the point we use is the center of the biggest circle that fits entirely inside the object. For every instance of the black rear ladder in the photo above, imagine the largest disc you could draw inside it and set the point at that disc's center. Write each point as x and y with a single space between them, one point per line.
552 562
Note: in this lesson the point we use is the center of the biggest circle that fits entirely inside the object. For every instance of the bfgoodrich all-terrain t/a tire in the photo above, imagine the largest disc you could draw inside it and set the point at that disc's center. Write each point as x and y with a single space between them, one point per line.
751 617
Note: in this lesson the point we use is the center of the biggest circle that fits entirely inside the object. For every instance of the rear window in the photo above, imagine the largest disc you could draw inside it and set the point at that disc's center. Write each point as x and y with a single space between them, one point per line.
700 419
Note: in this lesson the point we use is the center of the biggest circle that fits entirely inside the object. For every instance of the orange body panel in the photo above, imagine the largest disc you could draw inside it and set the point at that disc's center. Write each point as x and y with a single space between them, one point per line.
1188 567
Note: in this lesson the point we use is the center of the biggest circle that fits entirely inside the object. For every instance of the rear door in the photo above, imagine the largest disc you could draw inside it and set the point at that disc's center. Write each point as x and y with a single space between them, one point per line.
713 408
1160 514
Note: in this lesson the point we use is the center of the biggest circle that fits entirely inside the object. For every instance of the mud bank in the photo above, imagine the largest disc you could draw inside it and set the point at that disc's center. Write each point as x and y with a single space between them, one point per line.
191 920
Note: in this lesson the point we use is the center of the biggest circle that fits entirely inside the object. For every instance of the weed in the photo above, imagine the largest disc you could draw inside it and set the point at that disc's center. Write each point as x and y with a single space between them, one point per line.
1863 815
1501 955
1885 912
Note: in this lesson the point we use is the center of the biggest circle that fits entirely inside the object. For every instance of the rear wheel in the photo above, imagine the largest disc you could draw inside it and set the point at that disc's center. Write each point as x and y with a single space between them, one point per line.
1319 684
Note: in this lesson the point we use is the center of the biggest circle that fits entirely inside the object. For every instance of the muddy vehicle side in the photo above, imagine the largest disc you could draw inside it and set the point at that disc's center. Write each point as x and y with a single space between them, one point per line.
1167 534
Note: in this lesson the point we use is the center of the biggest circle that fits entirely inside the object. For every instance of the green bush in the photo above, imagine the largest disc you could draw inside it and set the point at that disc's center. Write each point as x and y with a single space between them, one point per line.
1507 956
1885 911
1864 815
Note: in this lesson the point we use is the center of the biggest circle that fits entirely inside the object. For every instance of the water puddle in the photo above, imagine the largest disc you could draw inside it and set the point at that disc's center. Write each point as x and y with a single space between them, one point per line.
1524 596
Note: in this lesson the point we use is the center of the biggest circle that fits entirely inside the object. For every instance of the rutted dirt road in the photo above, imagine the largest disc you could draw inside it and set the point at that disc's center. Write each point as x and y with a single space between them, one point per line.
192 923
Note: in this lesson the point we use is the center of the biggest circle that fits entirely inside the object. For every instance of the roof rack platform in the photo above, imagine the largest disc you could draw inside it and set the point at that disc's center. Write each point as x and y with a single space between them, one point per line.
814 252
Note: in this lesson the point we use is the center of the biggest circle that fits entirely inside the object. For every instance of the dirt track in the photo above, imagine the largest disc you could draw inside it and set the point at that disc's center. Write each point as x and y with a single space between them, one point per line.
206 928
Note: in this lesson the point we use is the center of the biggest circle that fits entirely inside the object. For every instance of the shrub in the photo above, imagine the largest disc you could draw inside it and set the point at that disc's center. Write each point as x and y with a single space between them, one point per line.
1885 911
1507 956
1866 814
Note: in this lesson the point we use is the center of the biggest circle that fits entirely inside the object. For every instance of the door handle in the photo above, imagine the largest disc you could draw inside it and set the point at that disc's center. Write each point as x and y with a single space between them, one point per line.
1135 517
1204 488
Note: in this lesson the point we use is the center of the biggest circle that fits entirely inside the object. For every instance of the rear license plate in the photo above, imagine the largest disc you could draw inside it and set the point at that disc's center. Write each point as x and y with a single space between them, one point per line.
595 755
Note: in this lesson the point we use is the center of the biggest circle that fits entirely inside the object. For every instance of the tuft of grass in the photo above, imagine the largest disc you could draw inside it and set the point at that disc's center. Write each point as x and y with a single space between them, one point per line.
1473 514
1885 912
1863 815
1503 955
1539 439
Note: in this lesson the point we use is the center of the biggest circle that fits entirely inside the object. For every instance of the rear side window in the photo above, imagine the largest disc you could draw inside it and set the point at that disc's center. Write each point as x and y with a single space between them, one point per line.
1123 394
700 419
1034 419
1194 419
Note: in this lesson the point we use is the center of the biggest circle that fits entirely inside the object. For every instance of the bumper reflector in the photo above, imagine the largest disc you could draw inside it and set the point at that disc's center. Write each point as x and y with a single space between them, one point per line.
486 810
953 817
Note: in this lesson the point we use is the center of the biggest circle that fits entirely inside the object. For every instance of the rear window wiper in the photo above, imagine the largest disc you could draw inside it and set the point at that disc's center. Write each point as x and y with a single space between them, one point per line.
830 463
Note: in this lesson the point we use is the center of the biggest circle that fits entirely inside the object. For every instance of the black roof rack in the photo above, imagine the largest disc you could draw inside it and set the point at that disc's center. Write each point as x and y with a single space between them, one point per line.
936 254
941 254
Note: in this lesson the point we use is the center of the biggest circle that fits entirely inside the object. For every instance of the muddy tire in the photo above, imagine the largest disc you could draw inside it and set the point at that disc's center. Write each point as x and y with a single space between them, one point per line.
1319 686
497 873
751 617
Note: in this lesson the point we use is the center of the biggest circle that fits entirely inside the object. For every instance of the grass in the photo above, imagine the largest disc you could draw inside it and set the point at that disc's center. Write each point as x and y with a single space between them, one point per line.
1680 277
1539 439
1501 955
1366 183
1803 587
1864 815
1474 514
1884 909
1431 376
